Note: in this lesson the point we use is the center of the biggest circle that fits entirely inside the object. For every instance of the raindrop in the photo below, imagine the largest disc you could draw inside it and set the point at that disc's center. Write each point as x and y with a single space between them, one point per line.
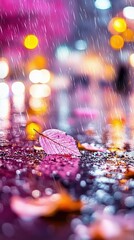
129 201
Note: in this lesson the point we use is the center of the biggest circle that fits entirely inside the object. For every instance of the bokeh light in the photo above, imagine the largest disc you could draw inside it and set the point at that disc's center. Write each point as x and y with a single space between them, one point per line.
4 68
40 90
128 12
4 90
80 45
33 76
117 132
30 130
38 105
128 35
131 59
31 41
119 25
116 42
103 4
39 76
19 103
4 108
62 53
18 88
44 76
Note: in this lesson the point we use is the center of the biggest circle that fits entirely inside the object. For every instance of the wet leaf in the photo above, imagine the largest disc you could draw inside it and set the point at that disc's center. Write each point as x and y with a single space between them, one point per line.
55 141
29 208
45 206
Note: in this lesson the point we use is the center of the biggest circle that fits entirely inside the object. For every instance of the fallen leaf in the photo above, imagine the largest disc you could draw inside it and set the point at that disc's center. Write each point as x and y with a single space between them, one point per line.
68 204
130 172
44 206
55 141
29 207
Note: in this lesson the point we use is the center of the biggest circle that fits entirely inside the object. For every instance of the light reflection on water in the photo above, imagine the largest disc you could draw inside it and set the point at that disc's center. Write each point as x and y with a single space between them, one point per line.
85 108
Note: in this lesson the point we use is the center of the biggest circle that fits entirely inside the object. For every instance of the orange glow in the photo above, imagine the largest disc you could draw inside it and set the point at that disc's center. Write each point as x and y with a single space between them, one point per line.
117 132
128 35
31 41
30 130
109 72
93 65
38 105
119 25
37 62
40 61
117 121
116 42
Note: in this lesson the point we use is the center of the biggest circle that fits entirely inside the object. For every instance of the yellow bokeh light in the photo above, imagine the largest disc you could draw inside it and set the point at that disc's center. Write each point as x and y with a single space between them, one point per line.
131 59
30 130
128 35
31 41
116 42
117 121
119 25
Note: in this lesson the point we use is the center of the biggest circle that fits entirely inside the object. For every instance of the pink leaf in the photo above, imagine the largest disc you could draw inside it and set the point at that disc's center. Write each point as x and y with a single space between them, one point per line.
55 141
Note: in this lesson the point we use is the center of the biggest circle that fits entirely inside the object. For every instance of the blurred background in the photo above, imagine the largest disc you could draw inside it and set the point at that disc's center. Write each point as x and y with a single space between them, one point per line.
65 64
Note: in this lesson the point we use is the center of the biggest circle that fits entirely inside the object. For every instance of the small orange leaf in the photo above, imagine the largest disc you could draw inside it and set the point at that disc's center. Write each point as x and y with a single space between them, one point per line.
44 206
68 204
130 172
